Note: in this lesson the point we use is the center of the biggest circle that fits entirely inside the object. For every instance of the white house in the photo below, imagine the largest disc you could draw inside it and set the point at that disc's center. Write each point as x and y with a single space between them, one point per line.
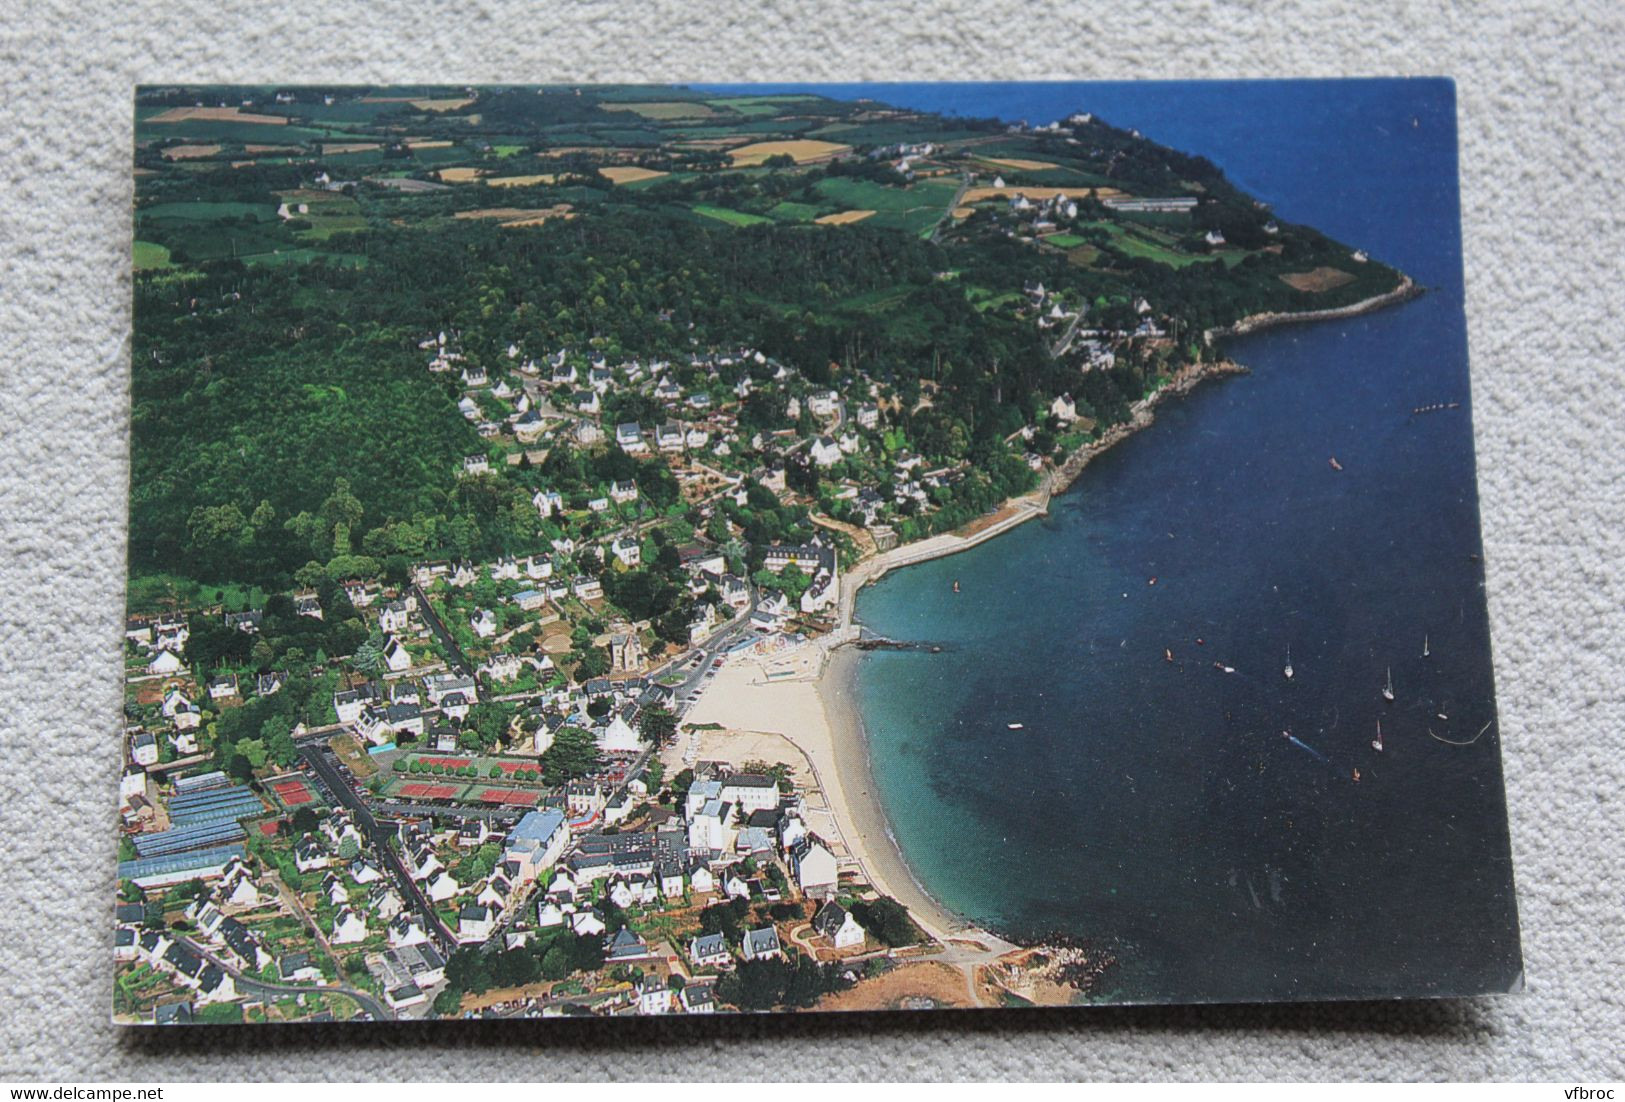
476 922
710 951
762 944
348 928
825 452
165 662
396 656
484 624
836 923
813 865
627 550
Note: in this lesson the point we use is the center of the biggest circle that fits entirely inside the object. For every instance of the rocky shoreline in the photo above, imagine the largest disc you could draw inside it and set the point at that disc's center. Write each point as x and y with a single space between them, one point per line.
1255 323
1142 414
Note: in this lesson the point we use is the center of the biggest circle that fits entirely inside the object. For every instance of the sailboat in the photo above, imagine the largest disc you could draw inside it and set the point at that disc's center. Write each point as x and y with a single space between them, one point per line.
956 585
1376 743
1425 651
1288 668
1388 688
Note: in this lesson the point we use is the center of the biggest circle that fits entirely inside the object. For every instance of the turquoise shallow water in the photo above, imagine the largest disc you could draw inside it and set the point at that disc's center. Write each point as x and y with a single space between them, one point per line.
1156 807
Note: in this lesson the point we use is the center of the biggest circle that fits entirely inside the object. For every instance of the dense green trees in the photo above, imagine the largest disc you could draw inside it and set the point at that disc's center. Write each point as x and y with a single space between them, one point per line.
574 753
765 984
887 921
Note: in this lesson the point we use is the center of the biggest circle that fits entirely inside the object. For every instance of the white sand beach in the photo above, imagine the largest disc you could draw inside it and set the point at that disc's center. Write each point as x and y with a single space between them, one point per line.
795 707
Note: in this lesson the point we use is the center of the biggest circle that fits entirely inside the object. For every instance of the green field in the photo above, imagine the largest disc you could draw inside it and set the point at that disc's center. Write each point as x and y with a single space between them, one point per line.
1149 243
149 255
732 217
207 212
1063 240
796 212
304 256
915 209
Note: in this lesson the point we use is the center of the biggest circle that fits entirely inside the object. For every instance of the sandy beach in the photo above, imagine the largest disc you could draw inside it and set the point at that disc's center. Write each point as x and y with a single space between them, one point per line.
795 707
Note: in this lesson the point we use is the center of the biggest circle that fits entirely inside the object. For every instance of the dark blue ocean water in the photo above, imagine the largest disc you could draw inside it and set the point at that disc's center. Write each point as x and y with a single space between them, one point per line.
1154 806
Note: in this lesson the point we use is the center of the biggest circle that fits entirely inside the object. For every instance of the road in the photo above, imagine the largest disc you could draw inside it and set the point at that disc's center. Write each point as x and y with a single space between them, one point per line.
1066 338
964 186
337 787
721 640
432 618
249 985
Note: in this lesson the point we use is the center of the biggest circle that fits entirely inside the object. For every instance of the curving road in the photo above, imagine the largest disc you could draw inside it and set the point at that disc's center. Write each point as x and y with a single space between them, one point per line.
252 985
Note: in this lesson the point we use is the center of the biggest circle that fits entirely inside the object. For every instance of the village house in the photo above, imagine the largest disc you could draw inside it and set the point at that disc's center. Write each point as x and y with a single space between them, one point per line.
762 944
396 656
813 866
629 438
627 550
669 437
836 923
348 928
824 452
709 951
476 922
165 662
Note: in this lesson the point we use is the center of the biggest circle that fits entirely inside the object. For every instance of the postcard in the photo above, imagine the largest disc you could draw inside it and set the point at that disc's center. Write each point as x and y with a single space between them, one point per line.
620 550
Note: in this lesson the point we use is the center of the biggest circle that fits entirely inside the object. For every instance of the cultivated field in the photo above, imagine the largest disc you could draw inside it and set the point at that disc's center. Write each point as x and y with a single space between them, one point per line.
1321 279
439 105
518 216
216 114
190 152
628 174
732 217
460 175
841 218
1019 163
802 150
981 194
521 181
330 148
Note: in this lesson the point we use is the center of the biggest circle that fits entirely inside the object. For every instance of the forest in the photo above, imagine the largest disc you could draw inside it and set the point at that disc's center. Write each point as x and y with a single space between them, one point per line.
285 430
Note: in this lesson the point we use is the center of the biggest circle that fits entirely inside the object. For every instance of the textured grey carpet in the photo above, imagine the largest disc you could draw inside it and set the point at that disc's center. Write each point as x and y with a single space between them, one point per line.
1543 141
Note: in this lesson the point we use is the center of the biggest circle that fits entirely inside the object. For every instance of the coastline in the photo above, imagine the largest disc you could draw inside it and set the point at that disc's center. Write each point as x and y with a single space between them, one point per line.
809 700
801 699
1035 503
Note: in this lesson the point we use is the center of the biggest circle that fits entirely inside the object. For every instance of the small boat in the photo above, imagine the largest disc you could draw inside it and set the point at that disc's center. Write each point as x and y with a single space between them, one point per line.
1356 775
1336 466
1015 726
1287 669
956 585
1388 688
1153 580
1222 668
1376 743
1425 651
1167 654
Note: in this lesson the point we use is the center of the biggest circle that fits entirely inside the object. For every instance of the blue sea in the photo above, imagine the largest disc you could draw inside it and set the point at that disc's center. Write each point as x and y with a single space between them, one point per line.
1156 808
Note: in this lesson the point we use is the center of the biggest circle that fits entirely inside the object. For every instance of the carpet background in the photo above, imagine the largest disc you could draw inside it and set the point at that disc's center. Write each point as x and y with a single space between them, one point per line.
1543 140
